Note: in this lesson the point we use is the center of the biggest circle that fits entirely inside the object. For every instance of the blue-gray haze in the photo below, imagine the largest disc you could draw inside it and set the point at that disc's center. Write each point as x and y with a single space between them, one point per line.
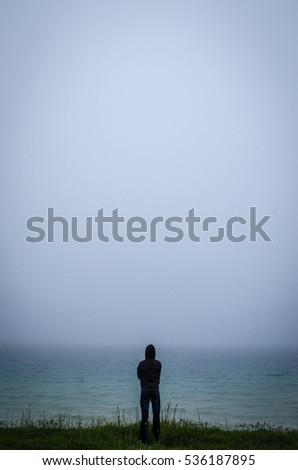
155 108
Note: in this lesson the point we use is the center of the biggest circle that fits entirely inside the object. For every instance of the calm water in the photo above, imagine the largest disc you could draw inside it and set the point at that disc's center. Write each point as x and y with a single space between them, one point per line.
218 387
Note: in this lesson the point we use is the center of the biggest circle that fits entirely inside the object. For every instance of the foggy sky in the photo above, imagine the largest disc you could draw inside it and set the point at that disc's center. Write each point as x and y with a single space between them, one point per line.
154 108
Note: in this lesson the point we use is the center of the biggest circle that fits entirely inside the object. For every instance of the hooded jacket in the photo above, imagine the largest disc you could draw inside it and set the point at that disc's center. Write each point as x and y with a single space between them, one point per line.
149 369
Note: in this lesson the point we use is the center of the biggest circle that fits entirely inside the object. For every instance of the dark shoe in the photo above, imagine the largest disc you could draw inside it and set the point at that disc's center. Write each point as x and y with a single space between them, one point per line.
156 435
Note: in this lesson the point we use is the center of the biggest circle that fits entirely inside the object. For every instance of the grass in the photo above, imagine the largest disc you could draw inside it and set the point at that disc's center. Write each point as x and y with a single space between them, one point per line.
175 434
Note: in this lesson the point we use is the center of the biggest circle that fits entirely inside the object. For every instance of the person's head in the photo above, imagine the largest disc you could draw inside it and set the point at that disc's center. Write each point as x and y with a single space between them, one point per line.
150 352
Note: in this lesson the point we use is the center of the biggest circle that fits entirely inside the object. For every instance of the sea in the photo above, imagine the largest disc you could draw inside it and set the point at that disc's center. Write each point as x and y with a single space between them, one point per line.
90 384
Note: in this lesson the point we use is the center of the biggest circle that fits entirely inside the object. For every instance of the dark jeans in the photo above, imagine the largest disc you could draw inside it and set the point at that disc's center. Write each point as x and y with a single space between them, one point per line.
146 397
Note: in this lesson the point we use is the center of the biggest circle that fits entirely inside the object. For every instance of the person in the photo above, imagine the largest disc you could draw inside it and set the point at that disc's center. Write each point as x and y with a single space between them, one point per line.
148 373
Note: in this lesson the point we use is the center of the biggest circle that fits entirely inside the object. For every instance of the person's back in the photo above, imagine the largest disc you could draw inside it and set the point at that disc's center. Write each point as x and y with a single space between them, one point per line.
148 372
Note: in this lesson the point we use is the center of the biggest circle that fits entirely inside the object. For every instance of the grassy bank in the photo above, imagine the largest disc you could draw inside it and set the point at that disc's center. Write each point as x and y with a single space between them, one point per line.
174 435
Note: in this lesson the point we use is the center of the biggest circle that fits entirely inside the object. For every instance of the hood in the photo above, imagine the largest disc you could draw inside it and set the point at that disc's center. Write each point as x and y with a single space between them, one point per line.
150 352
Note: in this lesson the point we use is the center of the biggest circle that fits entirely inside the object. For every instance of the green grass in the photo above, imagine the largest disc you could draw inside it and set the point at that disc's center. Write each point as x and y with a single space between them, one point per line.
175 434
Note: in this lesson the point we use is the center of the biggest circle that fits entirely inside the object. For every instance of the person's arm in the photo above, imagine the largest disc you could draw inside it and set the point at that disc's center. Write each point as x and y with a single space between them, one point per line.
159 371
138 372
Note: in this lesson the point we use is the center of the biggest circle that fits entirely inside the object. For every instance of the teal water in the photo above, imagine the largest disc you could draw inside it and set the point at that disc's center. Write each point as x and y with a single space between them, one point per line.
215 386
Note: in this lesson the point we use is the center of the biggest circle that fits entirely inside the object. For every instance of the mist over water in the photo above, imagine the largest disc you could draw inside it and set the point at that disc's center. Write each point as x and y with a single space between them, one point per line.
155 108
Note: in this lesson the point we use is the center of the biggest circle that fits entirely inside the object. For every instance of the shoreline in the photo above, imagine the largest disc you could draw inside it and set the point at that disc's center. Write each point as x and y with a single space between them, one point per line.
174 435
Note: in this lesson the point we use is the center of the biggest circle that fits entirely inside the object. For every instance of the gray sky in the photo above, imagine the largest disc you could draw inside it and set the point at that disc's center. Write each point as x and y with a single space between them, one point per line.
153 108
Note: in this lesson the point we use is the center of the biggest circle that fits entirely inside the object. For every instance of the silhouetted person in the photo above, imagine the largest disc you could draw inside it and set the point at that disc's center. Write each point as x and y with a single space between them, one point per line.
149 374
